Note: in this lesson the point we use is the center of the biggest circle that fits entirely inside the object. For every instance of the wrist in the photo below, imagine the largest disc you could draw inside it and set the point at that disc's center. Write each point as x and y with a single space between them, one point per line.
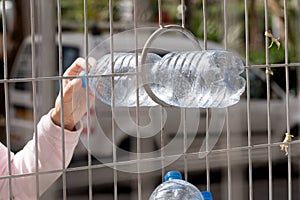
56 119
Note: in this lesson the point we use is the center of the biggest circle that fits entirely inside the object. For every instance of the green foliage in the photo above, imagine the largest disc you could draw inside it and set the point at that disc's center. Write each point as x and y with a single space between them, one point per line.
275 55
97 11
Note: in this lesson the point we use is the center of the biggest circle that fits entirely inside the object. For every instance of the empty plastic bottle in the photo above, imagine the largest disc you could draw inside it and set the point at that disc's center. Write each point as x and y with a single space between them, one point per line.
125 81
188 79
174 188
198 79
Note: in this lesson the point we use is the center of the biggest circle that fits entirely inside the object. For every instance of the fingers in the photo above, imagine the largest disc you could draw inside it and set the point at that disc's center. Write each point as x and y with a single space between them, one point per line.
76 68
75 84
79 65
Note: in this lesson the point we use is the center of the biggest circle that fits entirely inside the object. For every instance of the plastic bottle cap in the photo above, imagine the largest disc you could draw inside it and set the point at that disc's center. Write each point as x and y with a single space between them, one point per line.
172 175
83 79
206 195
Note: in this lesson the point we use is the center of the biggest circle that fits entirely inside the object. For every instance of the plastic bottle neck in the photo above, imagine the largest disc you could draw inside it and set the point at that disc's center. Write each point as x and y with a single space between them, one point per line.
173 175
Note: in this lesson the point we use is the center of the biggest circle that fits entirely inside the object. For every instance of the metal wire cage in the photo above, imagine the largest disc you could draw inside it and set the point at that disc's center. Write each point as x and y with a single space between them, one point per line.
246 162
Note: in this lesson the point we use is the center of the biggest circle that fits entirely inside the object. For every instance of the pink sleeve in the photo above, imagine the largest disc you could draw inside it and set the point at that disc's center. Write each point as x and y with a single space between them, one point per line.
4 172
50 158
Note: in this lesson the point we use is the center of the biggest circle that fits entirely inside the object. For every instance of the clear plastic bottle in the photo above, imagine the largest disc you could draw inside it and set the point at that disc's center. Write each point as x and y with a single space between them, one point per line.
125 84
209 78
188 79
174 188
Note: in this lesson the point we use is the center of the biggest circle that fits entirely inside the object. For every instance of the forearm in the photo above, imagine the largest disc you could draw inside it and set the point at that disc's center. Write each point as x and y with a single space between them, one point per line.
50 157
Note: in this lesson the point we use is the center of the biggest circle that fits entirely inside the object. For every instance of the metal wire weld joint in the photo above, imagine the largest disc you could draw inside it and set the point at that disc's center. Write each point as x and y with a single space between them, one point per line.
287 139
274 40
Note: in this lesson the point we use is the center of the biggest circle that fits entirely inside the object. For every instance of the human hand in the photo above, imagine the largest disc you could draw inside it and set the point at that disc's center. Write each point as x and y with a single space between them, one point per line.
74 97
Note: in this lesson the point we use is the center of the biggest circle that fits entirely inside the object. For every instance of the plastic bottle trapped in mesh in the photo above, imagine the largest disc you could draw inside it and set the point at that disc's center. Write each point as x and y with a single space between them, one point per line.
124 85
174 188
189 79
199 79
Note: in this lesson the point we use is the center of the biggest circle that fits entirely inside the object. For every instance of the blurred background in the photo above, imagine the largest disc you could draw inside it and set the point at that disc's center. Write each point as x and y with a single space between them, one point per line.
224 25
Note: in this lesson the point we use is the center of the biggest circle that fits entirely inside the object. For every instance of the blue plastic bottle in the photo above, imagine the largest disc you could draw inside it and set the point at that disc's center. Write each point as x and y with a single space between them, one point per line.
174 188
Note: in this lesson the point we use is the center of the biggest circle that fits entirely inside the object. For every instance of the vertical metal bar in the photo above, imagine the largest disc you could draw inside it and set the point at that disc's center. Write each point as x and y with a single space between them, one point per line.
183 8
227 115
111 33
4 40
207 156
183 13
162 143
7 114
268 105
286 52
59 37
138 134
290 186
287 97
183 116
60 71
228 157
297 18
204 25
207 110
225 25
90 176
248 102
160 22
183 111
34 91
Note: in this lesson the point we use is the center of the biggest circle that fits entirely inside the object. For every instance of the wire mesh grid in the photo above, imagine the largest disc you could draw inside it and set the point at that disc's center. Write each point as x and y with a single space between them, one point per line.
244 164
